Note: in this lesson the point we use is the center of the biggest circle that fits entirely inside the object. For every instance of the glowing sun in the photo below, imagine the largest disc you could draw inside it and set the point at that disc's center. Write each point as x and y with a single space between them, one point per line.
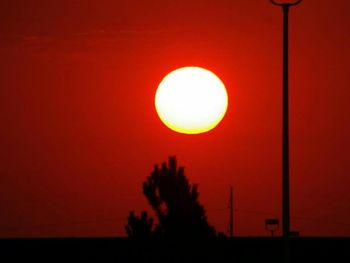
191 100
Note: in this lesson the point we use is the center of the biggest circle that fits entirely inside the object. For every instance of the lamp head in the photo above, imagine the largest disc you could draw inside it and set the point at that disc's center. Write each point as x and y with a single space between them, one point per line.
287 3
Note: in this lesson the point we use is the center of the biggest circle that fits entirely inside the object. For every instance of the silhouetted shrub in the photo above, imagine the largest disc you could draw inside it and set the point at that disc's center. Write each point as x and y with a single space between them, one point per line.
175 203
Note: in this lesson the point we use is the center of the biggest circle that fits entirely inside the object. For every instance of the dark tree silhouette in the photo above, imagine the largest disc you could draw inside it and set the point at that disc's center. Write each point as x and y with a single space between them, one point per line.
139 227
176 205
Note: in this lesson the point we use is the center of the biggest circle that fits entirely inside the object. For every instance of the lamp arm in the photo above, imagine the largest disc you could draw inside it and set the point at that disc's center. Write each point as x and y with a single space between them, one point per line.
288 4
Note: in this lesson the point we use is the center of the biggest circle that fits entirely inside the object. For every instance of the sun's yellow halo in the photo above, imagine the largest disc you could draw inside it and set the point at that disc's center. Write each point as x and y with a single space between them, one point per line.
191 100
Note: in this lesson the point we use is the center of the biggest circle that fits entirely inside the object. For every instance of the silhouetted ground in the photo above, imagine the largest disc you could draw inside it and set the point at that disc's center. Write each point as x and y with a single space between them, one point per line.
240 249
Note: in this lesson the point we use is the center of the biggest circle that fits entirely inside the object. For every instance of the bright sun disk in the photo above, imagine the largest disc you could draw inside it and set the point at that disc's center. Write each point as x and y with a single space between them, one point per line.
191 100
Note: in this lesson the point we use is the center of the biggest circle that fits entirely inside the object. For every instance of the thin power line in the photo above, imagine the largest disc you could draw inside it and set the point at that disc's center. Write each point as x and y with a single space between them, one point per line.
266 213
116 219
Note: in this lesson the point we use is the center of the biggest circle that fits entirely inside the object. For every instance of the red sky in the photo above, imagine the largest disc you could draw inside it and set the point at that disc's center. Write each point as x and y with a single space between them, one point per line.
79 131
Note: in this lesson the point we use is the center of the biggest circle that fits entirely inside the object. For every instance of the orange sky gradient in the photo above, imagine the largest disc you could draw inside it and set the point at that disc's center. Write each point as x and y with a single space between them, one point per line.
79 131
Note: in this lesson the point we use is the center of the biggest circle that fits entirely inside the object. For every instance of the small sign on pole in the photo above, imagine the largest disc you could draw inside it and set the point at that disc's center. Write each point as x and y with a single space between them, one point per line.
272 225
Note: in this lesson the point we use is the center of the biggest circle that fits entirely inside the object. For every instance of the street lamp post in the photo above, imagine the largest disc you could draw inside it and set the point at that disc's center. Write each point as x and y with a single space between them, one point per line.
285 130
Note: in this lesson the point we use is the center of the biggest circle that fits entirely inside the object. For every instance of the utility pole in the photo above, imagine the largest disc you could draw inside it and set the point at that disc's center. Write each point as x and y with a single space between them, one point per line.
285 120
285 130
231 211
